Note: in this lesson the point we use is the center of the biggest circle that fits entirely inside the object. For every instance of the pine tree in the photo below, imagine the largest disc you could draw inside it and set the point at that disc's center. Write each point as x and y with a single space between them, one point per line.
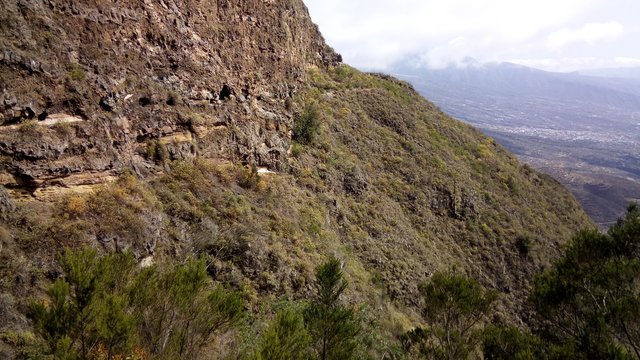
334 327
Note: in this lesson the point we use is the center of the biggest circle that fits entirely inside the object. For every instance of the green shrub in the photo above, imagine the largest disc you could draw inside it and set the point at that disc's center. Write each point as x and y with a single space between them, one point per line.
152 150
183 310
588 305
286 338
306 125
454 308
29 127
108 305
249 178
173 98
75 72
509 343
26 344
512 185
157 151
296 149
523 244
288 104
76 317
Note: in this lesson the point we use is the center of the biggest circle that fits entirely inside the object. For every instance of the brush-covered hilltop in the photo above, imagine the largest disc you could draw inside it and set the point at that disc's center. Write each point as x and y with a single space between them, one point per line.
228 131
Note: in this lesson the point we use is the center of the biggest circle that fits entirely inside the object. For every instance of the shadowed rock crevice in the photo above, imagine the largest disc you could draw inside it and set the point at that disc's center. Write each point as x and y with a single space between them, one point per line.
225 93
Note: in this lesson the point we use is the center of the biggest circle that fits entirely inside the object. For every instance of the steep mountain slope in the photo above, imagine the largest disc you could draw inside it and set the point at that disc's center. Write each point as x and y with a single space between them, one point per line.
580 129
146 126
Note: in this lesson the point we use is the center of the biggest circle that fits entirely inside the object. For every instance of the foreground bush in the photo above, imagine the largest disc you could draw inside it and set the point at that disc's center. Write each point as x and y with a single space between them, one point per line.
454 309
588 304
324 328
334 327
107 307
286 338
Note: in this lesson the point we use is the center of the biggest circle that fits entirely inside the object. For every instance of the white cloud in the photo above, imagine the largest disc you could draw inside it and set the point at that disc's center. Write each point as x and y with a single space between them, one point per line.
565 64
560 64
377 33
588 33
627 62
455 51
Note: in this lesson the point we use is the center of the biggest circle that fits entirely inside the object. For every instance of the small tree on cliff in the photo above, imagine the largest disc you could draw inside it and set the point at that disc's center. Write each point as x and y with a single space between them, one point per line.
333 327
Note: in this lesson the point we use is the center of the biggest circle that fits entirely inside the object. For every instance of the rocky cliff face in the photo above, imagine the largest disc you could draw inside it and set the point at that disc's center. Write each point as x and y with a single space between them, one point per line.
88 88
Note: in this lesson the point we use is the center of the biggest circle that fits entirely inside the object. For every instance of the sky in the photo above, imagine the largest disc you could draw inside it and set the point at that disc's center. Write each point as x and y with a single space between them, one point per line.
554 35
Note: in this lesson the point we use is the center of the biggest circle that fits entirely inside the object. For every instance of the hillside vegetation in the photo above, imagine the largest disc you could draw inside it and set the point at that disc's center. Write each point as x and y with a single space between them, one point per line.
579 129
382 180
196 179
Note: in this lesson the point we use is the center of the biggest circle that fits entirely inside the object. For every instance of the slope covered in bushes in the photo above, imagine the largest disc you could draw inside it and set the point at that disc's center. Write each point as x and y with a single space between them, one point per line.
231 133
383 181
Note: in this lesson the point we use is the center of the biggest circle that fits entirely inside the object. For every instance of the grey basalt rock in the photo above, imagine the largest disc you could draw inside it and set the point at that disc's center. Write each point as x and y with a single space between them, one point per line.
153 65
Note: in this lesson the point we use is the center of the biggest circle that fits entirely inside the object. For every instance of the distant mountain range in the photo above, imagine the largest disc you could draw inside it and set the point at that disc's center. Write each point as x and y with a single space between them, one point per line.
581 128
623 73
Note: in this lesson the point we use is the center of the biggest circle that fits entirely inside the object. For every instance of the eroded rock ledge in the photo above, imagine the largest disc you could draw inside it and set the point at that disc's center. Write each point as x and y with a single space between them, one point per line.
90 89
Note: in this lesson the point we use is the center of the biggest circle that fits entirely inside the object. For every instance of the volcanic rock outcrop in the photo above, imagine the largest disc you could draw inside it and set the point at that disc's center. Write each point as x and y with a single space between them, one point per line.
87 88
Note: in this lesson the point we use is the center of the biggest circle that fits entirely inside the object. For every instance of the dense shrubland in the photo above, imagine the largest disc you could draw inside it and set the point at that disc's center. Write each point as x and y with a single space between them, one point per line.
377 177
107 307
585 306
